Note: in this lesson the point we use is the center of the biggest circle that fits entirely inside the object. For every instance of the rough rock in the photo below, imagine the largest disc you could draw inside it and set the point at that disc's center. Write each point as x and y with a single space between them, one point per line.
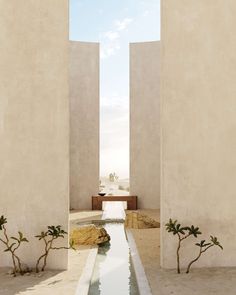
90 235
141 221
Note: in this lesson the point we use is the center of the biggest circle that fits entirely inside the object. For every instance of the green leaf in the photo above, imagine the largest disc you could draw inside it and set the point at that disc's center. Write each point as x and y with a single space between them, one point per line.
194 231
216 242
175 228
203 244
13 238
72 244
24 240
42 235
3 221
56 231
20 235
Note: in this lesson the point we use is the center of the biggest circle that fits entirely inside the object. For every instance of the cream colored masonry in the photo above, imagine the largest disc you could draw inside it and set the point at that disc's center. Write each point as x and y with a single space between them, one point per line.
145 123
198 122
34 122
84 123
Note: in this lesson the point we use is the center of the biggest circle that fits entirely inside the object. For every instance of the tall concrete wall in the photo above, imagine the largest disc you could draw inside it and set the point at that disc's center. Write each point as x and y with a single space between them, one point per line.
145 123
199 125
34 122
84 123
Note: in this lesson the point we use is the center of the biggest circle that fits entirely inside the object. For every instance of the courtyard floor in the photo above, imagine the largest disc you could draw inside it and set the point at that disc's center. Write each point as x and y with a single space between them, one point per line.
217 281
199 282
48 282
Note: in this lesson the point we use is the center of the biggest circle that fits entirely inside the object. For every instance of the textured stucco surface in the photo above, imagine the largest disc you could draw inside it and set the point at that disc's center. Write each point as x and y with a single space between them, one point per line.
84 123
145 123
34 122
198 108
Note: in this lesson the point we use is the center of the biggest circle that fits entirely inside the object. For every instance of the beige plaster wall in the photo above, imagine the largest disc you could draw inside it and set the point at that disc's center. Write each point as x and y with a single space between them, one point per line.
145 123
34 122
198 108
84 123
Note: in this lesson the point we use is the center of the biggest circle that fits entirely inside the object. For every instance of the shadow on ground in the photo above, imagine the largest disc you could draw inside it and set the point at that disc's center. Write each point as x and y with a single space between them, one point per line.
28 284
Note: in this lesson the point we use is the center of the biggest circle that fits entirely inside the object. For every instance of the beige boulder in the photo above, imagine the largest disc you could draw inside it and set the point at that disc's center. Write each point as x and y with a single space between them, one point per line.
89 235
141 221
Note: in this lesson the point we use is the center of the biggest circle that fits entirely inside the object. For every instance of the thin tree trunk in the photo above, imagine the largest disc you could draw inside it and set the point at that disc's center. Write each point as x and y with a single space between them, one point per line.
194 260
178 258
38 261
12 252
45 260
19 264
14 264
199 255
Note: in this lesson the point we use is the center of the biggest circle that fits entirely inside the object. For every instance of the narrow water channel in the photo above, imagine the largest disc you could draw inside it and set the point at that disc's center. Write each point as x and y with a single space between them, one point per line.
113 272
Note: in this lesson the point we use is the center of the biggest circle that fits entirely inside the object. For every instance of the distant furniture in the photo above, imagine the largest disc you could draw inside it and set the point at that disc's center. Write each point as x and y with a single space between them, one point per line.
132 201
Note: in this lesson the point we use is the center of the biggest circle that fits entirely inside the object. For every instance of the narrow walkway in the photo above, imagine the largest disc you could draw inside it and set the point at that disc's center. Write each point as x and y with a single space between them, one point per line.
113 210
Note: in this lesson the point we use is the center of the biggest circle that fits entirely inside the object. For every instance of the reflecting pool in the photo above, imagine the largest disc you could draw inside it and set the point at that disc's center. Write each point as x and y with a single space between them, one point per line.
113 271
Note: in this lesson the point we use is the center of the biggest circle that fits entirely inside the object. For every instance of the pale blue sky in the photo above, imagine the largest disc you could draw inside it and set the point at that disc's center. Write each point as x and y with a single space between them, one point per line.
115 24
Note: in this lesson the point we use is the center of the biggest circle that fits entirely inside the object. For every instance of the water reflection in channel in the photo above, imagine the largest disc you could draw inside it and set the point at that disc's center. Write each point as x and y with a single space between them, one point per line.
113 271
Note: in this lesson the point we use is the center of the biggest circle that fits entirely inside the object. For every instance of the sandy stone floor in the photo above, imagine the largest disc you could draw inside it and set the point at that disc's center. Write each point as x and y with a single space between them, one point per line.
148 245
49 282
200 282
80 216
218 281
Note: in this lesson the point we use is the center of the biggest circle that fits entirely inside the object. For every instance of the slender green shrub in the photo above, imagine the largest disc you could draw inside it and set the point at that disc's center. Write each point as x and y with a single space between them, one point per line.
12 244
48 237
184 232
203 247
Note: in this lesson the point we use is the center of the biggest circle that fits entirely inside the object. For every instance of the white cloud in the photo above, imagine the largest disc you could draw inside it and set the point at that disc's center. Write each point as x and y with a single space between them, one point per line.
146 13
109 49
123 24
110 40
112 35
110 43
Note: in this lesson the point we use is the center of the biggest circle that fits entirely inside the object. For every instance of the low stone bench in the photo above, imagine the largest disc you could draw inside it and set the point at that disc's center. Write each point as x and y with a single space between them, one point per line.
132 201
